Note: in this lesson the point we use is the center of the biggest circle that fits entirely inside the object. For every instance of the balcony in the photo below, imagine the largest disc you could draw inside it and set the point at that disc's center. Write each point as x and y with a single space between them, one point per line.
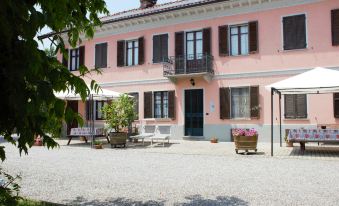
189 66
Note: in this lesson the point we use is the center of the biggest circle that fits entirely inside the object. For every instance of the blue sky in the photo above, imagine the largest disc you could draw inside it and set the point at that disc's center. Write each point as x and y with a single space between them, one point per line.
113 7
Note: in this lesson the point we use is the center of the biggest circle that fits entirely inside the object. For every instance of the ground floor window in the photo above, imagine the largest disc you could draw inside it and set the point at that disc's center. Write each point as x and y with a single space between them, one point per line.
161 104
240 102
295 106
99 115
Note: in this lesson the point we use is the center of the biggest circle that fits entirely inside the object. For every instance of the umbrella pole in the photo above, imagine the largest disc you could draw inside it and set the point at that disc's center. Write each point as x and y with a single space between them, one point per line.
280 118
272 94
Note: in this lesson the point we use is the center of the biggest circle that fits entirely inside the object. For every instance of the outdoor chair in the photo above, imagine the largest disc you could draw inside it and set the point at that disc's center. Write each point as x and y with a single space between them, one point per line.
162 133
146 131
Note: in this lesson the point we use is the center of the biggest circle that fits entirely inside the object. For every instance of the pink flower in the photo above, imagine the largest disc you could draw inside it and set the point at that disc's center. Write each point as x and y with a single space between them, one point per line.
244 132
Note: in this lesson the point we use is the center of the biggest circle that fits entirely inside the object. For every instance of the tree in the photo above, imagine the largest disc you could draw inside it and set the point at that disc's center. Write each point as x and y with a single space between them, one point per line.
29 75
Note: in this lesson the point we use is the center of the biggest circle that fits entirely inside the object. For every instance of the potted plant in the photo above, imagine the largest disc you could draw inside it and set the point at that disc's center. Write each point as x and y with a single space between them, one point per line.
97 144
288 143
119 114
214 140
245 139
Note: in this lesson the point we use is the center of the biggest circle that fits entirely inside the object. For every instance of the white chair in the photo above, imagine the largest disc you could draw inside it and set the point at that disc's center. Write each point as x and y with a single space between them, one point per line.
146 131
163 132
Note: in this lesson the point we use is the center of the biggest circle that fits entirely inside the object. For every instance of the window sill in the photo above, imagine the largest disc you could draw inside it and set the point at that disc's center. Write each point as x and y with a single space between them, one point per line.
297 119
158 119
293 50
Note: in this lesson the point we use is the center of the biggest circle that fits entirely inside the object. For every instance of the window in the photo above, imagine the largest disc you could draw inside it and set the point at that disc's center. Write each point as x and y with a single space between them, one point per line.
132 52
194 45
99 115
335 27
239 40
295 106
294 29
160 48
240 102
101 55
336 104
74 59
161 104
135 96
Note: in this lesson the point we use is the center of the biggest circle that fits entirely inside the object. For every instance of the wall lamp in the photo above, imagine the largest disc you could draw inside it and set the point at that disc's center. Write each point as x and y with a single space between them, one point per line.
192 82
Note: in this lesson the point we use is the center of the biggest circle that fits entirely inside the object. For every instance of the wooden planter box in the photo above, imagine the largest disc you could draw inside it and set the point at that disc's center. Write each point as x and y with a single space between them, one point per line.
118 138
245 143
98 146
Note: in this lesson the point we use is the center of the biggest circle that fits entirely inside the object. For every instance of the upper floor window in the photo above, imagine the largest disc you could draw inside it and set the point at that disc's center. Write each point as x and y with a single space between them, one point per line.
295 106
194 45
130 52
335 27
76 58
160 48
239 40
294 31
101 55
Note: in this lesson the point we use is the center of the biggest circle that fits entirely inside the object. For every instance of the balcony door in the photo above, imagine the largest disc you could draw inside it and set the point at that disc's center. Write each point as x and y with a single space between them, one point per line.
194 112
194 51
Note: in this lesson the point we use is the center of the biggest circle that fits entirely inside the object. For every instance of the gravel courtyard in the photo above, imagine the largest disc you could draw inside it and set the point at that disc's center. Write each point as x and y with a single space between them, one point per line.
174 175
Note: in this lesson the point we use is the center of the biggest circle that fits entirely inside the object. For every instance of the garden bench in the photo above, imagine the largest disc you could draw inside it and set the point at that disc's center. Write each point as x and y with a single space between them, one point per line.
162 132
86 133
146 131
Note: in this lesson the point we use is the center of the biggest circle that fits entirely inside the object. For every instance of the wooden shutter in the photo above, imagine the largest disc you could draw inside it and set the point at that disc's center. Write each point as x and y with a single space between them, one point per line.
148 105
141 51
335 27
223 41
98 55
156 49
121 54
289 106
336 104
171 104
206 48
104 55
301 105
164 47
224 95
255 110
64 59
81 55
294 32
253 37
87 110
179 44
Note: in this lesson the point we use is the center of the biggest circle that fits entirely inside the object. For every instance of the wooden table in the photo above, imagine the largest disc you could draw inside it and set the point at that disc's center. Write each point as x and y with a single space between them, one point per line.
313 135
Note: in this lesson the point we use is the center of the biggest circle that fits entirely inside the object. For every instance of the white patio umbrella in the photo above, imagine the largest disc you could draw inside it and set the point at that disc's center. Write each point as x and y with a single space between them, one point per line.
318 80
100 95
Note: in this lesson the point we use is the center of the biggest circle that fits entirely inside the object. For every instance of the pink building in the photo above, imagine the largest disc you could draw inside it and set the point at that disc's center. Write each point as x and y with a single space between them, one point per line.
202 65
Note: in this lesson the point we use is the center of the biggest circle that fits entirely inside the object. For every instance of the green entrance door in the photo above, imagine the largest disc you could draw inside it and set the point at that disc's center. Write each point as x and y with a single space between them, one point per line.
194 112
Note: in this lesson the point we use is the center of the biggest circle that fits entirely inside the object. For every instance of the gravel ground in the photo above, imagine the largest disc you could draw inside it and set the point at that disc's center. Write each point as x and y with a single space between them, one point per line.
81 176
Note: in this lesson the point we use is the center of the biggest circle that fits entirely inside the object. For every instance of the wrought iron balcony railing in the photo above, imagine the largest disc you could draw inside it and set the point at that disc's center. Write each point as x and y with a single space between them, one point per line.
188 64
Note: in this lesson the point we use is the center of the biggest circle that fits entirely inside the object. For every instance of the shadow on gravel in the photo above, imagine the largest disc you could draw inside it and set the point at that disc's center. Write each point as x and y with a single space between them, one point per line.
324 150
191 201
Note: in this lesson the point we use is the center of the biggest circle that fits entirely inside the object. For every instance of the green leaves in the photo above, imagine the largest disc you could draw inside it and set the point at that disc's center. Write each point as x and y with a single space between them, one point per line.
120 113
30 76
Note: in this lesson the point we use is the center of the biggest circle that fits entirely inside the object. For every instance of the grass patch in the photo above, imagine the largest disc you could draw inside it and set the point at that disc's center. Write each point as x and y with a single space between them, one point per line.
28 202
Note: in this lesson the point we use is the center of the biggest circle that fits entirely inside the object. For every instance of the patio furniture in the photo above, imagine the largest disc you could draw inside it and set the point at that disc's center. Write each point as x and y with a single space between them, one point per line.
85 132
162 132
146 131
313 135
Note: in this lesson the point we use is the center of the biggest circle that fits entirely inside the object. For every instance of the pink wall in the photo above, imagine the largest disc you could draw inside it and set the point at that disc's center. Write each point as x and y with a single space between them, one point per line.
320 52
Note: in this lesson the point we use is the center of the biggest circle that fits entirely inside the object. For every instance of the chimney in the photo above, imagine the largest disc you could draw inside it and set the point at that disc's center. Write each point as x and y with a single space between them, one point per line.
147 3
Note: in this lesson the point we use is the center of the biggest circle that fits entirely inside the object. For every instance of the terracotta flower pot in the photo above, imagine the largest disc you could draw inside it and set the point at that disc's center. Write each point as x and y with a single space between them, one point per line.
289 144
214 141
